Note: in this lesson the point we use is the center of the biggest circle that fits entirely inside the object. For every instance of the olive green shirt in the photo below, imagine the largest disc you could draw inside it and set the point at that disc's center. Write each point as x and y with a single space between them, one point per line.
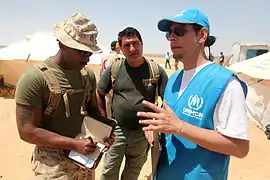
32 90
129 91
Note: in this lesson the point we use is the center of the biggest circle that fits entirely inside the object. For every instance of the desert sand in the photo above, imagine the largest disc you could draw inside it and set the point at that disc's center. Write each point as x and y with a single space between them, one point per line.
15 154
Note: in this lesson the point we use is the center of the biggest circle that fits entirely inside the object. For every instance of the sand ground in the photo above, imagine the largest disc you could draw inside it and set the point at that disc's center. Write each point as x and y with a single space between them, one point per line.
15 154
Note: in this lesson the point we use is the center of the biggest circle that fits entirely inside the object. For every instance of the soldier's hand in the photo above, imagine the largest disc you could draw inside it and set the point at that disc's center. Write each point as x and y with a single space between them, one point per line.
85 146
109 142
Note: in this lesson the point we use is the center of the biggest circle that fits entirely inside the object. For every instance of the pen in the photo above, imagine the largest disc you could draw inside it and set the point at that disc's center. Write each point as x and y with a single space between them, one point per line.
92 141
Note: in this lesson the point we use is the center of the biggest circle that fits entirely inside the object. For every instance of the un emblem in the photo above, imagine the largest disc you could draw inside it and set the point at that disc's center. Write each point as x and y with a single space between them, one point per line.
195 102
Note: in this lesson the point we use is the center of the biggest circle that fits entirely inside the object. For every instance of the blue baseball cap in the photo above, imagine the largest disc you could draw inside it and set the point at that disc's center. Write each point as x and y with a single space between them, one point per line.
188 16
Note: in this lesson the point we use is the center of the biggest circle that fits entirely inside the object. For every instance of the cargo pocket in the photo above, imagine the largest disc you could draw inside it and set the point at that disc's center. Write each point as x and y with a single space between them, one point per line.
46 162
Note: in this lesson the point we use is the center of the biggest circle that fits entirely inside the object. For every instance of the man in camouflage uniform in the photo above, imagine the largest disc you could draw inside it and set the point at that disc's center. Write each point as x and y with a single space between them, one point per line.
52 99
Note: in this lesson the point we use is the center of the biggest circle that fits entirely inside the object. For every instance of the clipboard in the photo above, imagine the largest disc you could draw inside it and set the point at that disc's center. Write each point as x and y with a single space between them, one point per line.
98 130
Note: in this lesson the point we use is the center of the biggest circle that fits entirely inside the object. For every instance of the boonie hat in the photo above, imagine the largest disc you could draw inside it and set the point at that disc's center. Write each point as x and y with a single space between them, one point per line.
78 32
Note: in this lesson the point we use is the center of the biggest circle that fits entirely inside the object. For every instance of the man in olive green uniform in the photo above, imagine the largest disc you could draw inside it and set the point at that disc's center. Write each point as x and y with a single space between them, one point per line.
132 80
53 98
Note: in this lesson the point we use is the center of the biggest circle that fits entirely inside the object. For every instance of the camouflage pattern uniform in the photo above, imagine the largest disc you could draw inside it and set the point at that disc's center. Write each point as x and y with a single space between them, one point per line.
53 164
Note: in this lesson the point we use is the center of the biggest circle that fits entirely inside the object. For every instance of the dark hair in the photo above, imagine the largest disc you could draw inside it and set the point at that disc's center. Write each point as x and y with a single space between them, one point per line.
129 32
113 45
210 41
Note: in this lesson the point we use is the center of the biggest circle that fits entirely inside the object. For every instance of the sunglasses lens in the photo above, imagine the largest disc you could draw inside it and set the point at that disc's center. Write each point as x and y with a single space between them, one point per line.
84 53
180 30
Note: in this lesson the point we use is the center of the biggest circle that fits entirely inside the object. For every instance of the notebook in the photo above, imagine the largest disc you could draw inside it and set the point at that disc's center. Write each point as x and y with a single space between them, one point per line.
97 130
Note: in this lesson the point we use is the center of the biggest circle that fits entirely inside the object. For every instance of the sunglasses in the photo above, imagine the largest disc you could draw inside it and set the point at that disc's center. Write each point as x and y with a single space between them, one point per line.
179 31
83 53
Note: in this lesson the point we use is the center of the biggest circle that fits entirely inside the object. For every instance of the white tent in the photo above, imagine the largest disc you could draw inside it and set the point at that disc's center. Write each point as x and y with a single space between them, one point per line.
34 49
38 46
256 73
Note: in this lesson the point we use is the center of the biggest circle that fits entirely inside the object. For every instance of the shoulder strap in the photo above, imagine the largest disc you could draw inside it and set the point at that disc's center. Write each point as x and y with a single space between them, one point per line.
114 68
56 91
154 69
155 73
54 87
88 80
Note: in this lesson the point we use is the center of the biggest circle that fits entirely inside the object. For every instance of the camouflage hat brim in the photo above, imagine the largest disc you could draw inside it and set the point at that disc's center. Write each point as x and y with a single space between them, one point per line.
67 40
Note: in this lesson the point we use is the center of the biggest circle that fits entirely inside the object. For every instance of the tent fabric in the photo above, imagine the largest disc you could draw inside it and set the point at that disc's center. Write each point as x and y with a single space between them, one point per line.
257 67
16 58
38 47
256 73
258 103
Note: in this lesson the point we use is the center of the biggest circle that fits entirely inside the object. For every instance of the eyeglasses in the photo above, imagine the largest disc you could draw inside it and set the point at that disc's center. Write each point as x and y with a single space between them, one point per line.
177 30
83 53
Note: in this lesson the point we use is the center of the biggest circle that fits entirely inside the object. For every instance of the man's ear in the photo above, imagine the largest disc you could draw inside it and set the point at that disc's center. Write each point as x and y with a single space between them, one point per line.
203 34
61 46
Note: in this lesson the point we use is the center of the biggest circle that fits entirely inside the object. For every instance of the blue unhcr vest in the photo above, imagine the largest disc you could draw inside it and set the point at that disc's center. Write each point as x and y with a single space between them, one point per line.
180 158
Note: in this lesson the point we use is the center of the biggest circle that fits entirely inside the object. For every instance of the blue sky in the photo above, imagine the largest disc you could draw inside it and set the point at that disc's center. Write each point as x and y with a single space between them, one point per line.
230 20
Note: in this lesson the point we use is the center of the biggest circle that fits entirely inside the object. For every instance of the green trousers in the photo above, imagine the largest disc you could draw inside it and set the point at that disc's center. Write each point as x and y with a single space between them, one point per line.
129 143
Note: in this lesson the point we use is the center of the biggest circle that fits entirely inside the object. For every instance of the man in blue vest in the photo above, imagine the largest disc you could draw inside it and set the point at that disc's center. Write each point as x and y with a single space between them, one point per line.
203 120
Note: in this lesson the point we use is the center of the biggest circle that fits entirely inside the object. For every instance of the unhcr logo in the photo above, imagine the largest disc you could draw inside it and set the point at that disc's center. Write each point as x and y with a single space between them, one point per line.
195 103
180 14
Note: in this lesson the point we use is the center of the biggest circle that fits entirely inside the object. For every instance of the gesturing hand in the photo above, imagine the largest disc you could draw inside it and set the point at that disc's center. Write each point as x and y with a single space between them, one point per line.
163 120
